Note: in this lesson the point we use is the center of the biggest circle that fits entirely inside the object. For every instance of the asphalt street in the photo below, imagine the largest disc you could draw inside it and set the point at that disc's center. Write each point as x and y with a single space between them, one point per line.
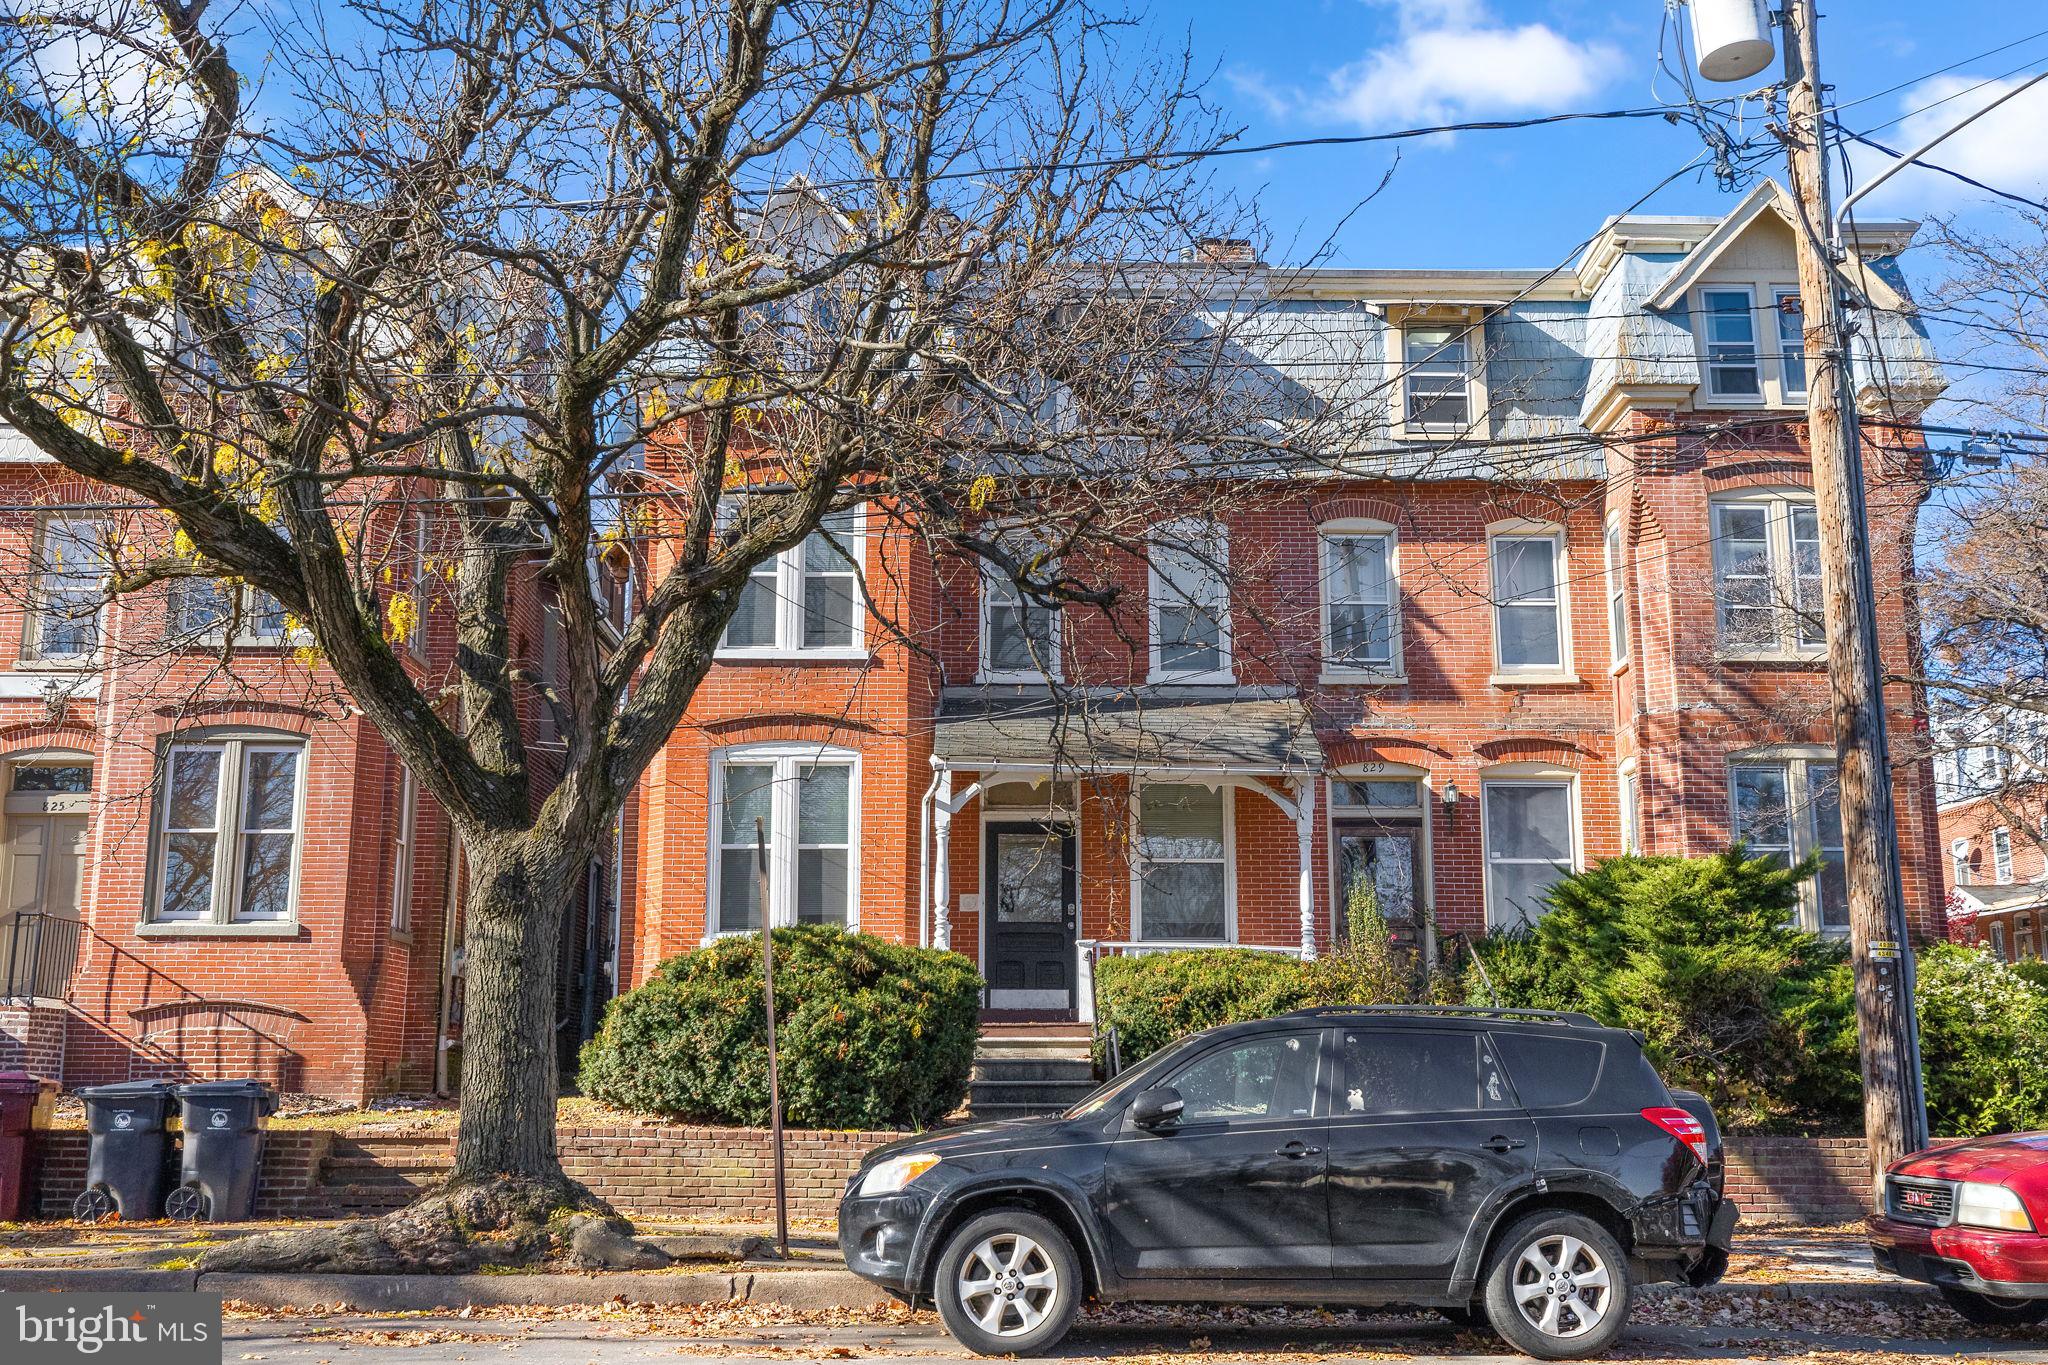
417 1341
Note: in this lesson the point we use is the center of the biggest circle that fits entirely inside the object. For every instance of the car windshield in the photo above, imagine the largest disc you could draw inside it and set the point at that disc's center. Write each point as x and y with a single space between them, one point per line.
1130 1078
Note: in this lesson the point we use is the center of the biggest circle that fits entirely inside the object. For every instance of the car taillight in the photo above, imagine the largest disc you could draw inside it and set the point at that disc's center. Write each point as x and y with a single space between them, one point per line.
1682 1126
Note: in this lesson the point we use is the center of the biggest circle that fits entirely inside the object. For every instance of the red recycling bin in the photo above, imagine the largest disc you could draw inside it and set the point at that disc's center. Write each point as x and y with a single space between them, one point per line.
25 1105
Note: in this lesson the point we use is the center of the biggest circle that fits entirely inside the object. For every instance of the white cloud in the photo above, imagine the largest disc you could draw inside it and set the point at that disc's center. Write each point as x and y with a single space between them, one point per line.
2004 148
1450 61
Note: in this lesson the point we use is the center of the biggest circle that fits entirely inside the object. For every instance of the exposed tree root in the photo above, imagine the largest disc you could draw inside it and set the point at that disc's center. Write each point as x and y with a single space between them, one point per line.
461 1227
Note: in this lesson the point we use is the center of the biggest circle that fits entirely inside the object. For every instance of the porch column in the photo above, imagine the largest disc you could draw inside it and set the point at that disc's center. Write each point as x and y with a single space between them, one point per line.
942 862
1304 848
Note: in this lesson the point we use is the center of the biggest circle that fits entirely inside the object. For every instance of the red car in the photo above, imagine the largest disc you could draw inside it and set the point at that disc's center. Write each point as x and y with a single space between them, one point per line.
1971 1219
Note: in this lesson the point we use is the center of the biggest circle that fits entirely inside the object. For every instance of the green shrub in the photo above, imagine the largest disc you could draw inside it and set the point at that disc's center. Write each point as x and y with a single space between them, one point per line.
1696 954
1153 999
869 1034
2033 973
1983 1029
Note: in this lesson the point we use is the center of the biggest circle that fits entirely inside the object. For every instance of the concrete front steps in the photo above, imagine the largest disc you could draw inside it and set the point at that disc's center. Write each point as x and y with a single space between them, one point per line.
1022 1069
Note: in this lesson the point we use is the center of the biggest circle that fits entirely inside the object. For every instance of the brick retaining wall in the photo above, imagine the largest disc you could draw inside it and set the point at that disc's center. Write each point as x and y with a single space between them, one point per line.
1800 1180
689 1172
651 1171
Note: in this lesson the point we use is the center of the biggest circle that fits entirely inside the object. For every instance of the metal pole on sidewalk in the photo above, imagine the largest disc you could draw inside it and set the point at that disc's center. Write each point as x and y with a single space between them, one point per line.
768 996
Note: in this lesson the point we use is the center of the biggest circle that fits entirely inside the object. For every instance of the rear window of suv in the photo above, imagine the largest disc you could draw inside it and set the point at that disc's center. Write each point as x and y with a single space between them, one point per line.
1551 1072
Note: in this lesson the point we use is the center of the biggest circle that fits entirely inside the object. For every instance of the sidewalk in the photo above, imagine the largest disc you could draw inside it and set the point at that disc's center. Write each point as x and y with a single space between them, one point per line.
726 1263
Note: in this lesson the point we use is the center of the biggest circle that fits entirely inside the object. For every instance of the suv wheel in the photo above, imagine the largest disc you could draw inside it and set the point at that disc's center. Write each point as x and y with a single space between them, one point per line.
1557 1286
1008 1284
1987 1310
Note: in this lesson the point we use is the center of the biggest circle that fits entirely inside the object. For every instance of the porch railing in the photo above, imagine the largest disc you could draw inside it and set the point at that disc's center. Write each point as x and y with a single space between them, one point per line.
37 954
1090 951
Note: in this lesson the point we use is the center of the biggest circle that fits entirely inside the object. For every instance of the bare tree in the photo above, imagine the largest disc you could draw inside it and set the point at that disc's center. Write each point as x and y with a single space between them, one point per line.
688 278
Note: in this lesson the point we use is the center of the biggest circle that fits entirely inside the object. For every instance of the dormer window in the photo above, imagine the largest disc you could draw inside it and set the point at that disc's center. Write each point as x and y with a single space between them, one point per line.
1752 344
1728 319
1436 384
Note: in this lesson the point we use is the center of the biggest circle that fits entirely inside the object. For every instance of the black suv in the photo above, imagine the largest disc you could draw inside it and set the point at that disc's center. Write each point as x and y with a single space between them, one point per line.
1527 1166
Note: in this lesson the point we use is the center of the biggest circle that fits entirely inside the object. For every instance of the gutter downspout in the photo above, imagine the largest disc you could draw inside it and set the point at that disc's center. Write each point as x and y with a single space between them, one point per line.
924 856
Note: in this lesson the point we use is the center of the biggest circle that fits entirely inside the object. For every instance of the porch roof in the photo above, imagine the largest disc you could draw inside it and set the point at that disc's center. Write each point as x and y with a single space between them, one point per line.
1997 898
1130 733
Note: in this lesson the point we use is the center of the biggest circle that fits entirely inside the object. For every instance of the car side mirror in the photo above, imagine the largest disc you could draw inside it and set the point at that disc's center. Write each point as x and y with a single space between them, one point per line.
1157 1107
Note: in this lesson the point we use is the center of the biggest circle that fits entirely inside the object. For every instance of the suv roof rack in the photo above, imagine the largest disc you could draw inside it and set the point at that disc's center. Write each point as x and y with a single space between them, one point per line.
1572 1017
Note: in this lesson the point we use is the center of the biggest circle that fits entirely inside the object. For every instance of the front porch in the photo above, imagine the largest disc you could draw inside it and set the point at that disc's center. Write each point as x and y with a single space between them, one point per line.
1054 836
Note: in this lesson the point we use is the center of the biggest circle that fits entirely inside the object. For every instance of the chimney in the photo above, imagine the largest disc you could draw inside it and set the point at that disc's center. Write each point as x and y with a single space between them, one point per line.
1225 251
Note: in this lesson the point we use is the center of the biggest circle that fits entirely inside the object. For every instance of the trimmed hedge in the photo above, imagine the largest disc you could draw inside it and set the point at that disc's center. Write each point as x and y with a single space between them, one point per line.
870 1034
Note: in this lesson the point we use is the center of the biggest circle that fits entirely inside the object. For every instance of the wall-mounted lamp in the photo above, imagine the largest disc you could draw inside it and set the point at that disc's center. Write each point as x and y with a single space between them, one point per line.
1451 804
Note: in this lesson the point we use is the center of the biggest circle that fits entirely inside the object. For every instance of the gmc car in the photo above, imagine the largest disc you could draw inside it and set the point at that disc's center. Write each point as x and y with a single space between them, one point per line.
1521 1167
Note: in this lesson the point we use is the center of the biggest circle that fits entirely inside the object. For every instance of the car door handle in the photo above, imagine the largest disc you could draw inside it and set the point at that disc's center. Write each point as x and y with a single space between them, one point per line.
1500 1142
1297 1149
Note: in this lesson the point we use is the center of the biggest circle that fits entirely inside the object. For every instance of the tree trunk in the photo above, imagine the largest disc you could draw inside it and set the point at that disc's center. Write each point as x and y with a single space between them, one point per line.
512 929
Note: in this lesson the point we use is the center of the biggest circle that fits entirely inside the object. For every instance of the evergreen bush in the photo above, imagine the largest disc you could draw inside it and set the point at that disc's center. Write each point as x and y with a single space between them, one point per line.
870 1034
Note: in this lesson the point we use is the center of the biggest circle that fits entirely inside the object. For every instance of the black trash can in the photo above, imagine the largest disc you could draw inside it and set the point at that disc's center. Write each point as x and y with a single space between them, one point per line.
124 1174
223 1150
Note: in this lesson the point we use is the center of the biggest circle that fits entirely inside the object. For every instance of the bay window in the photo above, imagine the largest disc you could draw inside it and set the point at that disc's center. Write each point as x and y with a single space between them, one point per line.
1787 808
1728 332
805 600
803 803
227 832
1182 891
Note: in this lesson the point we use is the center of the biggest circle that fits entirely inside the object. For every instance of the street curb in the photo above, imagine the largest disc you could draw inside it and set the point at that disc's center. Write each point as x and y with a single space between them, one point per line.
803 1289
104 1280
799 1289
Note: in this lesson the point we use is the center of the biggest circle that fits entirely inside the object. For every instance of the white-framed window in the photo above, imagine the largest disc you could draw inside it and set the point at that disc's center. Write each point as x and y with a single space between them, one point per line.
1189 596
1613 551
804 800
1181 883
2023 938
1767 581
1631 808
1531 833
1789 807
1360 599
1791 322
1727 326
1436 377
2001 856
403 840
200 608
1998 942
228 815
1527 575
71 566
1020 638
1959 861
806 600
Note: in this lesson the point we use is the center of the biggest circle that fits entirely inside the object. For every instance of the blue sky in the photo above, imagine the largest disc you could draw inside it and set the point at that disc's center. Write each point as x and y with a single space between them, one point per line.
1304 68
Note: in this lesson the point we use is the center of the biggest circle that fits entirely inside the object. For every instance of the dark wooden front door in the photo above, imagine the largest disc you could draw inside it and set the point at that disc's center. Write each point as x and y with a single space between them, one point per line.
1030 904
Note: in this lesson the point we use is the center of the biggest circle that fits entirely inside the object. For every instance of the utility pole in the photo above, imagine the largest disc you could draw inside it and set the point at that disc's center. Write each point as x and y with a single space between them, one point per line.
1894 1105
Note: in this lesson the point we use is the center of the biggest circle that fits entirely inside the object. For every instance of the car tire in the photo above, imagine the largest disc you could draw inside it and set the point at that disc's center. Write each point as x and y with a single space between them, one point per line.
1557 1286
1008 1283
1986 1311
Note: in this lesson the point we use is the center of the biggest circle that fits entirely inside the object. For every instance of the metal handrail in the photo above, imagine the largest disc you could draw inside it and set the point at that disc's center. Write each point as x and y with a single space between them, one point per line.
42 951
